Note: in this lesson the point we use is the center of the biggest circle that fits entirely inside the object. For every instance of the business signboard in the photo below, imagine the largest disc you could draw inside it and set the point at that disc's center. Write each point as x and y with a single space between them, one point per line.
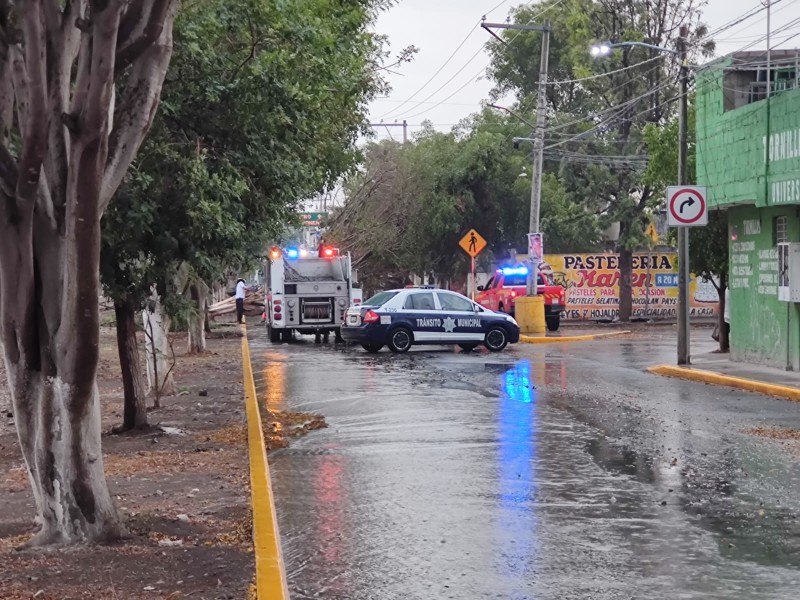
592 282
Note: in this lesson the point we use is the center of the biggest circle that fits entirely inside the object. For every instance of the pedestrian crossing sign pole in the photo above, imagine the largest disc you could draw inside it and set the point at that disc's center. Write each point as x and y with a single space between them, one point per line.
473 244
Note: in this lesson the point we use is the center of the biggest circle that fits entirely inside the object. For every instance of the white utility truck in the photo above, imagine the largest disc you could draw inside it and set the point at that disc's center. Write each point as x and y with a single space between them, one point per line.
308 292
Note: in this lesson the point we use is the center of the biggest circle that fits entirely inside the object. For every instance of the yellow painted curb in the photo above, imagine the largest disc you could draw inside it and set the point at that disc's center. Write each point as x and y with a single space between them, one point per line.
528 339
749 385
270 570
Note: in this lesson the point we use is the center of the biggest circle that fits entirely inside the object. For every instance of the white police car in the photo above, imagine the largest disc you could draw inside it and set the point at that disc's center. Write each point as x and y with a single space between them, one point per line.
425 315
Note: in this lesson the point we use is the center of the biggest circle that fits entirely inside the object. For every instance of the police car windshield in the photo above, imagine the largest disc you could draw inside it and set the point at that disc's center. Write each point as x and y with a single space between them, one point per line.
380 298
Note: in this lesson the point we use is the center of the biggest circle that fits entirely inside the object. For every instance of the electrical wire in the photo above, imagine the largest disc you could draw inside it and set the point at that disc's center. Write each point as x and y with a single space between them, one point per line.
609 73
482 69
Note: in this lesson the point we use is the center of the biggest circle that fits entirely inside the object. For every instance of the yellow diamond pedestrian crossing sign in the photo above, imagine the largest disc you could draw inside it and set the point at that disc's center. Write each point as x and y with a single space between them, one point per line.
472 243
651 232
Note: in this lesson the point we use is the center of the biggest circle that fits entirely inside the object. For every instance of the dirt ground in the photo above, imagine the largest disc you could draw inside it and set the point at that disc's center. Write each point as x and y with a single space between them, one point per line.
183 493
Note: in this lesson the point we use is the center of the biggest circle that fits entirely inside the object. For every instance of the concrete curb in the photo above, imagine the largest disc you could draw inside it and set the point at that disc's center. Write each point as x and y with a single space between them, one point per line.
528 339
740 383
270 570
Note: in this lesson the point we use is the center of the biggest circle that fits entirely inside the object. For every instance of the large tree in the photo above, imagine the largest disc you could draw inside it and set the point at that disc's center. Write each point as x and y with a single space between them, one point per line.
261 110
411 203
79 85
598 108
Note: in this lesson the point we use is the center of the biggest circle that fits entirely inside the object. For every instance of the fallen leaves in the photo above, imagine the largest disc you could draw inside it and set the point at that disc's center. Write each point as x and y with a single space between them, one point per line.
234 434
282 425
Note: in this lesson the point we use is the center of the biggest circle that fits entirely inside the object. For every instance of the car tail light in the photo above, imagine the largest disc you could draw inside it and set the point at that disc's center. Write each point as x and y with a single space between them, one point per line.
356 301
371 317
513 293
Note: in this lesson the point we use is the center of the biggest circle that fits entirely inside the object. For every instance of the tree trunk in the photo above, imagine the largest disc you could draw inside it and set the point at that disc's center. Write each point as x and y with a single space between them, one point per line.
157 352
625 287
135 407
56 179
724 341
198 292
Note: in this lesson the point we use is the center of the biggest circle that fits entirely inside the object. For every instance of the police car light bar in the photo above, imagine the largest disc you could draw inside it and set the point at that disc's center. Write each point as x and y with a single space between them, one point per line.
292 252
514 270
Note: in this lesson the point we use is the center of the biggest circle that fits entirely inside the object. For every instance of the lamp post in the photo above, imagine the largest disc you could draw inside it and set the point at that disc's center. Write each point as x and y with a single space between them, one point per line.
604 49
533 321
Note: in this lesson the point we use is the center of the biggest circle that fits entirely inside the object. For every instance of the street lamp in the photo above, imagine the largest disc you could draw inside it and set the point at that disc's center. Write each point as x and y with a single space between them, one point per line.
604 49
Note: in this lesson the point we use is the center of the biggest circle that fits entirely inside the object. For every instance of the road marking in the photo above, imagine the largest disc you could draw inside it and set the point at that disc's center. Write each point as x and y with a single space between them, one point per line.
740 383
529 339
270 570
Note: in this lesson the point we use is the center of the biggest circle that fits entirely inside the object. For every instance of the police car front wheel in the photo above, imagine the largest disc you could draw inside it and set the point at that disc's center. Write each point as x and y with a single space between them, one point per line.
400 340
496 339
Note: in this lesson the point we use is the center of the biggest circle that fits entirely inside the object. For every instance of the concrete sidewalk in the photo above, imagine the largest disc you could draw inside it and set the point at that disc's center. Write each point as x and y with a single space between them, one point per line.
718 369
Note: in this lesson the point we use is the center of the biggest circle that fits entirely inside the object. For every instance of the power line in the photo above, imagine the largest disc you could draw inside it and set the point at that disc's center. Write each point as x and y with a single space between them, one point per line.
440 69
600 75
483 68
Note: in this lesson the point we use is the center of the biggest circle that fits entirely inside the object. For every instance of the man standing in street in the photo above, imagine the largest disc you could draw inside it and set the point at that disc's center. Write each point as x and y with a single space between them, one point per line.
240 291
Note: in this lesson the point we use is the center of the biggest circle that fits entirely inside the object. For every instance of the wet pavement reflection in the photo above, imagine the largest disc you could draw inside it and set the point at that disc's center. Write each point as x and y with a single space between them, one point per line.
542 472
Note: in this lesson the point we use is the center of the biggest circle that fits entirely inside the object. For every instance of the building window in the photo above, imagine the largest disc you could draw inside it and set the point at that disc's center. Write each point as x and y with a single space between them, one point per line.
779 230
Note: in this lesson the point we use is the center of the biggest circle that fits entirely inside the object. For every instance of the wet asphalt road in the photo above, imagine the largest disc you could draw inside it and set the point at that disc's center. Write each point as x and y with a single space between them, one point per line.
557 471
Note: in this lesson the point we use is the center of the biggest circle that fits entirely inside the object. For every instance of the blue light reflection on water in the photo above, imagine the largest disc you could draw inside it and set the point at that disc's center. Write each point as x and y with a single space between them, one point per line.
517 522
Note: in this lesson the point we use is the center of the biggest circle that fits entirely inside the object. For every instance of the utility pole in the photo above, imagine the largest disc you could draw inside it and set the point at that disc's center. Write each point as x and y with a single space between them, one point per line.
684 354
538 154
538 135
769 50
404 125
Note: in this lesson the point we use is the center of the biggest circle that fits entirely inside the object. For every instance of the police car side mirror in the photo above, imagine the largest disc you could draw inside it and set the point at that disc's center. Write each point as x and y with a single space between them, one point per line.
477 308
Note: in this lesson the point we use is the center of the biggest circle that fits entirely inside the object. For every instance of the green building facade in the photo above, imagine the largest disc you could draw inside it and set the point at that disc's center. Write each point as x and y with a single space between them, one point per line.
748 155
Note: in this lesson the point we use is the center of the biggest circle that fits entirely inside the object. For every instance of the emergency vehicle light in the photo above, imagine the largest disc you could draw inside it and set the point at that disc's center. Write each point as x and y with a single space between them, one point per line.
292 252
514 270
275 253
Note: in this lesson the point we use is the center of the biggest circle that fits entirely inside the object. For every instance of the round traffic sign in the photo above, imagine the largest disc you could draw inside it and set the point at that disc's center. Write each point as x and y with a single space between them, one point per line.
687 206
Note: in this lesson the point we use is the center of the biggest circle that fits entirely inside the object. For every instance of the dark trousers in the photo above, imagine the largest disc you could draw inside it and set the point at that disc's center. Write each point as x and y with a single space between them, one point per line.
239 310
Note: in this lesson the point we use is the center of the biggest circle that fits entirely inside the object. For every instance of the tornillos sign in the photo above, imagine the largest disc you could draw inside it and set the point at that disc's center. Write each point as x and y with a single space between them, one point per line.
592 282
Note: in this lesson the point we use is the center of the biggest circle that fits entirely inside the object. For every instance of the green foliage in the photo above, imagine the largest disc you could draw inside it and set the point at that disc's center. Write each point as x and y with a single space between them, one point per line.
708 248
597 125
413 202
262 108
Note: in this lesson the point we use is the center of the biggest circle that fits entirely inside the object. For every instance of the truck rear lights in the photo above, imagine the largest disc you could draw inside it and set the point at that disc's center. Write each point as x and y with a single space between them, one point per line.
278 316
277 301
371 317
278 308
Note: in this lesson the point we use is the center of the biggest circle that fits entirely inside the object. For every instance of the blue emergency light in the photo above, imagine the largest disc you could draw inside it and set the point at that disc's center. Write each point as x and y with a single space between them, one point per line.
292 252
514 270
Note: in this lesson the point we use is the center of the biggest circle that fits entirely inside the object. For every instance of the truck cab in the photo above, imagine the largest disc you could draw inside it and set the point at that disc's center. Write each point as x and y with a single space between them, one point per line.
508 283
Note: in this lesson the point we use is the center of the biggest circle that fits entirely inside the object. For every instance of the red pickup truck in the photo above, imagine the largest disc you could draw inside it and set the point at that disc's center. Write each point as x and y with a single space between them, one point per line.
508 283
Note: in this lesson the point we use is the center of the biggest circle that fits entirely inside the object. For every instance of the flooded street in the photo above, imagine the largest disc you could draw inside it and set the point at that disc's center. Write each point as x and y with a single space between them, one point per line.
546 471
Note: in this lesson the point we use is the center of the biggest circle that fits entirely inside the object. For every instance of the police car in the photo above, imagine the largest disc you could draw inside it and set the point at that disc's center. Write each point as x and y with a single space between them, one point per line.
425 315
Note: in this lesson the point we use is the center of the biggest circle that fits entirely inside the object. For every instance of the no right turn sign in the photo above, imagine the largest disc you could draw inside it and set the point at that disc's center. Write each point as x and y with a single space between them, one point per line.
686 206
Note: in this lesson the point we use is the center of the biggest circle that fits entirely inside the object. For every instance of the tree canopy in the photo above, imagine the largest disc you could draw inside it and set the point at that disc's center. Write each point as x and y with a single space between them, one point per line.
261 109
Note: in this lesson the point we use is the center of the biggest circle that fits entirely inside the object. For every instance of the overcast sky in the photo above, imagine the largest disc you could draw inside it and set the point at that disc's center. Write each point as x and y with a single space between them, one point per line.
438 27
